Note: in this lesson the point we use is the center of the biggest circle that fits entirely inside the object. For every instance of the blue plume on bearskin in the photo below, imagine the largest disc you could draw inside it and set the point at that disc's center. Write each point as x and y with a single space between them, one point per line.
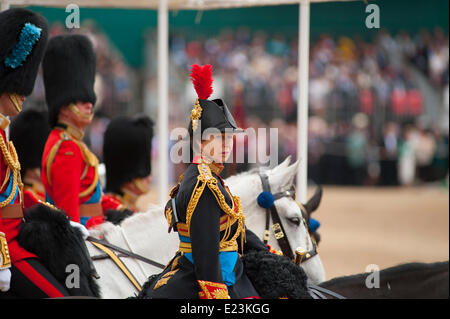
23 39
28 37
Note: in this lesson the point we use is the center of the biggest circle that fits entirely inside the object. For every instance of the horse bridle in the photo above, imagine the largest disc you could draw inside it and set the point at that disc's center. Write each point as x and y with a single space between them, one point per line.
277 226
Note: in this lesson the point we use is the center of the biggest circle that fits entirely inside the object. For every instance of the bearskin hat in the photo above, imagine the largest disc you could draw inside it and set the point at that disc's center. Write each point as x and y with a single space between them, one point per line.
29 131
23 38
69 73
127 147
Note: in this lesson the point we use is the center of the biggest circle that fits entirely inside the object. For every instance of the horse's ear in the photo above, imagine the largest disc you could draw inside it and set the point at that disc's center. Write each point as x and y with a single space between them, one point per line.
314 201
282 166
284 177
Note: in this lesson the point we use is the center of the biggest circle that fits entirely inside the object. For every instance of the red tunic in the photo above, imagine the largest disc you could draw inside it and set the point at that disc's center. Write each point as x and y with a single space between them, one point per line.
116 202
11 226
31 197
69 172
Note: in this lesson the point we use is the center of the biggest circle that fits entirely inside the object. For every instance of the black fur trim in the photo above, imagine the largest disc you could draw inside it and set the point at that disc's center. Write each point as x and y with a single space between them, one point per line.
275 276
48 234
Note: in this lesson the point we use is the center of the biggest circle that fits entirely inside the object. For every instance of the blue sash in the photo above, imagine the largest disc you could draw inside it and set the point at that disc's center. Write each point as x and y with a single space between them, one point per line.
7 192
227 260
95 198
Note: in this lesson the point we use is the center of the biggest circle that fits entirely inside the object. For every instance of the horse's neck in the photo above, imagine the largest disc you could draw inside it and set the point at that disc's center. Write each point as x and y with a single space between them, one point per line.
412 280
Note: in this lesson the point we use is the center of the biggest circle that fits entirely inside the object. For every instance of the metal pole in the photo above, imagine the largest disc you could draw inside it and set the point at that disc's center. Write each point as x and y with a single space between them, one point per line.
163 98
302 103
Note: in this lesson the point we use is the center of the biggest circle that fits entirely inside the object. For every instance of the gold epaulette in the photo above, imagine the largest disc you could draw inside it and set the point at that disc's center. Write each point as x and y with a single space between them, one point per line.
5 259
234 213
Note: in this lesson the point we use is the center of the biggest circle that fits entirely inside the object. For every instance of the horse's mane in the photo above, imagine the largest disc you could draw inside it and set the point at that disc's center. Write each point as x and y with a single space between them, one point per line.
248 173
108 228
389 273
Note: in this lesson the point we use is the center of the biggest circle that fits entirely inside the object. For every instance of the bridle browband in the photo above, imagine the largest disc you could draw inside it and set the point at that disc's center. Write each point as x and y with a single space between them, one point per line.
277 226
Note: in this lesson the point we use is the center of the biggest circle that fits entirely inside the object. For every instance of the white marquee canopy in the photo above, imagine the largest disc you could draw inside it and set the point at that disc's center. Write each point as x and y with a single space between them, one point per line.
163 6
153 4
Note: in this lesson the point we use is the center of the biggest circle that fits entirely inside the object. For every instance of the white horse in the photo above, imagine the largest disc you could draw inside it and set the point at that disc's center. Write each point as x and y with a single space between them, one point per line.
147 234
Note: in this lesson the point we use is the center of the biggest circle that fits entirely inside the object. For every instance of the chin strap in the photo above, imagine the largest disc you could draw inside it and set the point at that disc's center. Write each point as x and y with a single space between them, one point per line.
141 186
16 101
77 112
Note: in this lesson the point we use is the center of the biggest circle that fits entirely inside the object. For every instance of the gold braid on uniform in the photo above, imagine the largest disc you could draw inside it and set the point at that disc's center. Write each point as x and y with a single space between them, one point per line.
12 162
204 179
90 159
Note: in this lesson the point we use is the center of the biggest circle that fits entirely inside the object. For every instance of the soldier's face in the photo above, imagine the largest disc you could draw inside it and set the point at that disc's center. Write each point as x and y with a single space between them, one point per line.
7 106
78 114
86 110
218 147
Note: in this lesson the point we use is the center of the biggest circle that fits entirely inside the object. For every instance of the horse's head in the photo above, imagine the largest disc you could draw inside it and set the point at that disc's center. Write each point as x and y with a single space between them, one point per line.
249 186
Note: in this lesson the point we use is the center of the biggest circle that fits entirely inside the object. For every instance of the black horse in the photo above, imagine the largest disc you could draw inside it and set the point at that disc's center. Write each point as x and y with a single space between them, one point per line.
405 281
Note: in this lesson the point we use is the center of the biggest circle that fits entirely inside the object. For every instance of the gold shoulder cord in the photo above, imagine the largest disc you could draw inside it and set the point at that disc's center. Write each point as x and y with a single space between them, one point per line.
89 158
205 178
12 161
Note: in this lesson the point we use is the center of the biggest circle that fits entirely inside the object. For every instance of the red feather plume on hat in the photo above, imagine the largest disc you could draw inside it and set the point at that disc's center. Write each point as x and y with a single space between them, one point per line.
201 77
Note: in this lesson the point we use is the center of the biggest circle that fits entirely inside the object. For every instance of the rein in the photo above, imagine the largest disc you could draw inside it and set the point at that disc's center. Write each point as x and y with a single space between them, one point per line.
277 227
108 248
125 252
318 292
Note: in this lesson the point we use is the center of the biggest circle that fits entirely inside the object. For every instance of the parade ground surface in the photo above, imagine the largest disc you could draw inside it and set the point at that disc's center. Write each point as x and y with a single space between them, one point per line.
380 226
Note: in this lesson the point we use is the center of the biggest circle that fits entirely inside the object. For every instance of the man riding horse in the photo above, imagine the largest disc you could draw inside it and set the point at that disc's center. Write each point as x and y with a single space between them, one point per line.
23 38
69 169
208 218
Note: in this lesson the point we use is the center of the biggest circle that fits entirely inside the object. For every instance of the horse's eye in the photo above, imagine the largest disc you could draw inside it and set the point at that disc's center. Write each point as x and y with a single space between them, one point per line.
295 220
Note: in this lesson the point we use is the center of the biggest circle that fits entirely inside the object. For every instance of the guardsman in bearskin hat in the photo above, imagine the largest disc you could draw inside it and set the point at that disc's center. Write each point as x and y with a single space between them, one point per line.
23 38
208 218
29 131
127 147
69 169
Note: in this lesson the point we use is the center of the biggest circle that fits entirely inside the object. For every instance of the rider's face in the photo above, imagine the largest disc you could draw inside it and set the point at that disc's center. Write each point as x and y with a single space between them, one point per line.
218 147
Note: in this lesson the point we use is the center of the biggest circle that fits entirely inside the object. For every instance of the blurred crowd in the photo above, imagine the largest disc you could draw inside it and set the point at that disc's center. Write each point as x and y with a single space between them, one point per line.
365 109
366 124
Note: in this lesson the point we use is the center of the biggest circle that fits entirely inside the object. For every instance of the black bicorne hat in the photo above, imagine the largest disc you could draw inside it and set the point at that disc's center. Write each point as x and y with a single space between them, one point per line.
29 131
69 73
209 113
127 147
23 38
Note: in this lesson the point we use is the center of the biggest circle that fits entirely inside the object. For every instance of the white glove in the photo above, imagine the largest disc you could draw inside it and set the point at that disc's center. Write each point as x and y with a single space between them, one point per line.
5 279
83 230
